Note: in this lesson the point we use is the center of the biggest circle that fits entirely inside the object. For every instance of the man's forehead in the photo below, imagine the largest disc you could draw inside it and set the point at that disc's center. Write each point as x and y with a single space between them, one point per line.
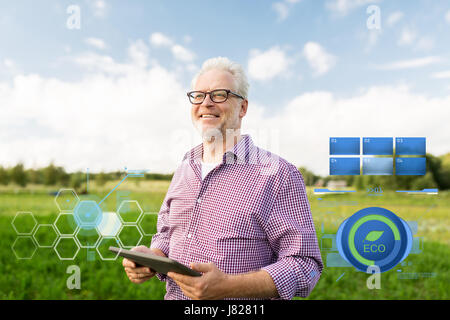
215 79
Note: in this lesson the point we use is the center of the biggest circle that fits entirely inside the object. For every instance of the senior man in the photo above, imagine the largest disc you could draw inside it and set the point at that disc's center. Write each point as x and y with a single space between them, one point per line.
234 212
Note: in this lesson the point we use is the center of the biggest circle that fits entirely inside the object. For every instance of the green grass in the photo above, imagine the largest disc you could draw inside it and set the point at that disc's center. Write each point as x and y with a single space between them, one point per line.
44 276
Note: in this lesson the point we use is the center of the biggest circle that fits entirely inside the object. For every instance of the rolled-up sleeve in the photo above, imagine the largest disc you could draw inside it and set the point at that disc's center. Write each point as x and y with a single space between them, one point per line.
292 237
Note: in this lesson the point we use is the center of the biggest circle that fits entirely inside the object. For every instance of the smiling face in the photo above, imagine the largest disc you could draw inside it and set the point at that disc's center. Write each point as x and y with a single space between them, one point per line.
213 116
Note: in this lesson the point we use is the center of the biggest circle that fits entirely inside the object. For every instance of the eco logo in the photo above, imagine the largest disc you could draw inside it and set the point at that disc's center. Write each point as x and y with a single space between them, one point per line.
374 236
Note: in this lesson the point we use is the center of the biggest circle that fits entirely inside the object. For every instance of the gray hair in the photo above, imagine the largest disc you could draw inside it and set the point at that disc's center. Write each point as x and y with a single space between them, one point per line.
225 64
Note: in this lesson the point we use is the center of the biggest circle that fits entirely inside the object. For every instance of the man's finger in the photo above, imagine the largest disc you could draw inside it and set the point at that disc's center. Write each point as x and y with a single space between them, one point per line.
128 263
187 290
140 270
187 280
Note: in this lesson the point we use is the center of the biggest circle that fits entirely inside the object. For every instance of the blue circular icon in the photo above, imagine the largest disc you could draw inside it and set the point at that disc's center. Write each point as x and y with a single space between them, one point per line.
374 236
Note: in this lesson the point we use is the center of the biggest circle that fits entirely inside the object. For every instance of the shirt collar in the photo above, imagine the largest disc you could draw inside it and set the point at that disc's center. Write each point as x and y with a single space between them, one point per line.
240 151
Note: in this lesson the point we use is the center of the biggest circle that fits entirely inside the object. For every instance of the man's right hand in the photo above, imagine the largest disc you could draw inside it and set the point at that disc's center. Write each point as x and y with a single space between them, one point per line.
140 274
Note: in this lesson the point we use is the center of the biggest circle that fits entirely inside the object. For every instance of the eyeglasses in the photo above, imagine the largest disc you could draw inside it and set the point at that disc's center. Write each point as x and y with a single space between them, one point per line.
217 96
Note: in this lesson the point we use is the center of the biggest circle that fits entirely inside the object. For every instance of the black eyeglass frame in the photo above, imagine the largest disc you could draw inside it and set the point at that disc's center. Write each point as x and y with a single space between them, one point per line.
206 93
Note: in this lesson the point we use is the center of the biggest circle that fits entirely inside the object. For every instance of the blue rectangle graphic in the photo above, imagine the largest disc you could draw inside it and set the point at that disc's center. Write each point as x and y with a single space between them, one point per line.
344 166
378 166
344 146
410 146
410 166
378 146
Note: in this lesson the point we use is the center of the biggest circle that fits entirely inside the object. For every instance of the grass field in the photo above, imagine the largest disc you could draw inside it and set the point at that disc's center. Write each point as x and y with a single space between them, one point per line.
44 276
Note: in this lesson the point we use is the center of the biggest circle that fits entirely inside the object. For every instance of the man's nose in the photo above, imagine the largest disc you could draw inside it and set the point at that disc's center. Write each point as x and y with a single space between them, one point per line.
207 101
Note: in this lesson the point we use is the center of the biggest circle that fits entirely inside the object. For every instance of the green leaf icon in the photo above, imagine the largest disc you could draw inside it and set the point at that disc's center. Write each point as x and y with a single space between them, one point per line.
374 235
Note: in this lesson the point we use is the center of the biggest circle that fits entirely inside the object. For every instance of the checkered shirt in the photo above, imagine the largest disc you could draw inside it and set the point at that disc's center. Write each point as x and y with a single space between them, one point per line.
250 213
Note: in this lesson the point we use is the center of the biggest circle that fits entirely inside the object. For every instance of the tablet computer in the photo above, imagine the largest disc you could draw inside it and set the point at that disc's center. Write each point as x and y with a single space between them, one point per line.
157 263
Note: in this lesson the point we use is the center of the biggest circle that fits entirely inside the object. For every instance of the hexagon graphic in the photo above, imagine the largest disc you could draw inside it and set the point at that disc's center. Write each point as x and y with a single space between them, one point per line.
130 236
148 222
24 247
88 238
88 214
66 200
24 223
45 235
129 211
66 248
110 224
103 248
65 224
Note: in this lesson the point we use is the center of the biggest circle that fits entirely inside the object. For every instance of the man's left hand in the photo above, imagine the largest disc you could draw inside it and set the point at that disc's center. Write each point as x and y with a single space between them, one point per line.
211 285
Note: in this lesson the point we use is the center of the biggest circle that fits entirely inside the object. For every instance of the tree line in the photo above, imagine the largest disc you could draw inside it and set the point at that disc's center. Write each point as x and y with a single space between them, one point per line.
437 176
55 175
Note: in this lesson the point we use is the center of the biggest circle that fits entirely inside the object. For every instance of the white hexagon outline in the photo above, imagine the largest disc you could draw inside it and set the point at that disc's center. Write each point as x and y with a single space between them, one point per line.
121 224
120 217
65 237
24 233
93 224
129 225
66 234
87 247
45 225
142 218
101 257
76 197
32 240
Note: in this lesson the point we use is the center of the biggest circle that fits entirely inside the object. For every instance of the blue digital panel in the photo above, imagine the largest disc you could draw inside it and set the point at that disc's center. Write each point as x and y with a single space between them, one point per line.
378 166
378 146
344 146
410 166
410 146
344 166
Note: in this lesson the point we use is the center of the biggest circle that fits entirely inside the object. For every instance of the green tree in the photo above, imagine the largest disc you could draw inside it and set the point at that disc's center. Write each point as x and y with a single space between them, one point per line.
18 175
4 177
308 176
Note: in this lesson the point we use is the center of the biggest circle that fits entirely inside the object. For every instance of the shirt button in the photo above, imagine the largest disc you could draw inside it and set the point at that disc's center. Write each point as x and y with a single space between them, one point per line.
199 200
189 235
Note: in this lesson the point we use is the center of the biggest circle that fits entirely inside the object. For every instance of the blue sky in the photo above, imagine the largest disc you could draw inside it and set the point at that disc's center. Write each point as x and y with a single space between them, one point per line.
293 51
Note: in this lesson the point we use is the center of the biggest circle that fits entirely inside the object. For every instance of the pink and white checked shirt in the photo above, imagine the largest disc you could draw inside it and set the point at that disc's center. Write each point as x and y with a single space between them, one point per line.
251 212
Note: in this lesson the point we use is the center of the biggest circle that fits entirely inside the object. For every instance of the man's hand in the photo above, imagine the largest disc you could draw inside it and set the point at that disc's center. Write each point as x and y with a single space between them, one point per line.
211 285
140 274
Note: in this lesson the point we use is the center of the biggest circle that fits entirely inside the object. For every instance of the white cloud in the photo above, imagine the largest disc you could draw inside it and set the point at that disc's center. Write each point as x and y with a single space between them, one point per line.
441 75
268 64
10 67
179 52
342 7
393 18
119 114
411 63
182 54
137 59
99 7
96 43
319 60
140 118
159 39
407 37
281 9
187 39
138 52
447 16
425 44
308 120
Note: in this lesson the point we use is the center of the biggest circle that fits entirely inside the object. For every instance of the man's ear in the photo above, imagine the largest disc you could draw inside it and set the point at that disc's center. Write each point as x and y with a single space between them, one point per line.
244 106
